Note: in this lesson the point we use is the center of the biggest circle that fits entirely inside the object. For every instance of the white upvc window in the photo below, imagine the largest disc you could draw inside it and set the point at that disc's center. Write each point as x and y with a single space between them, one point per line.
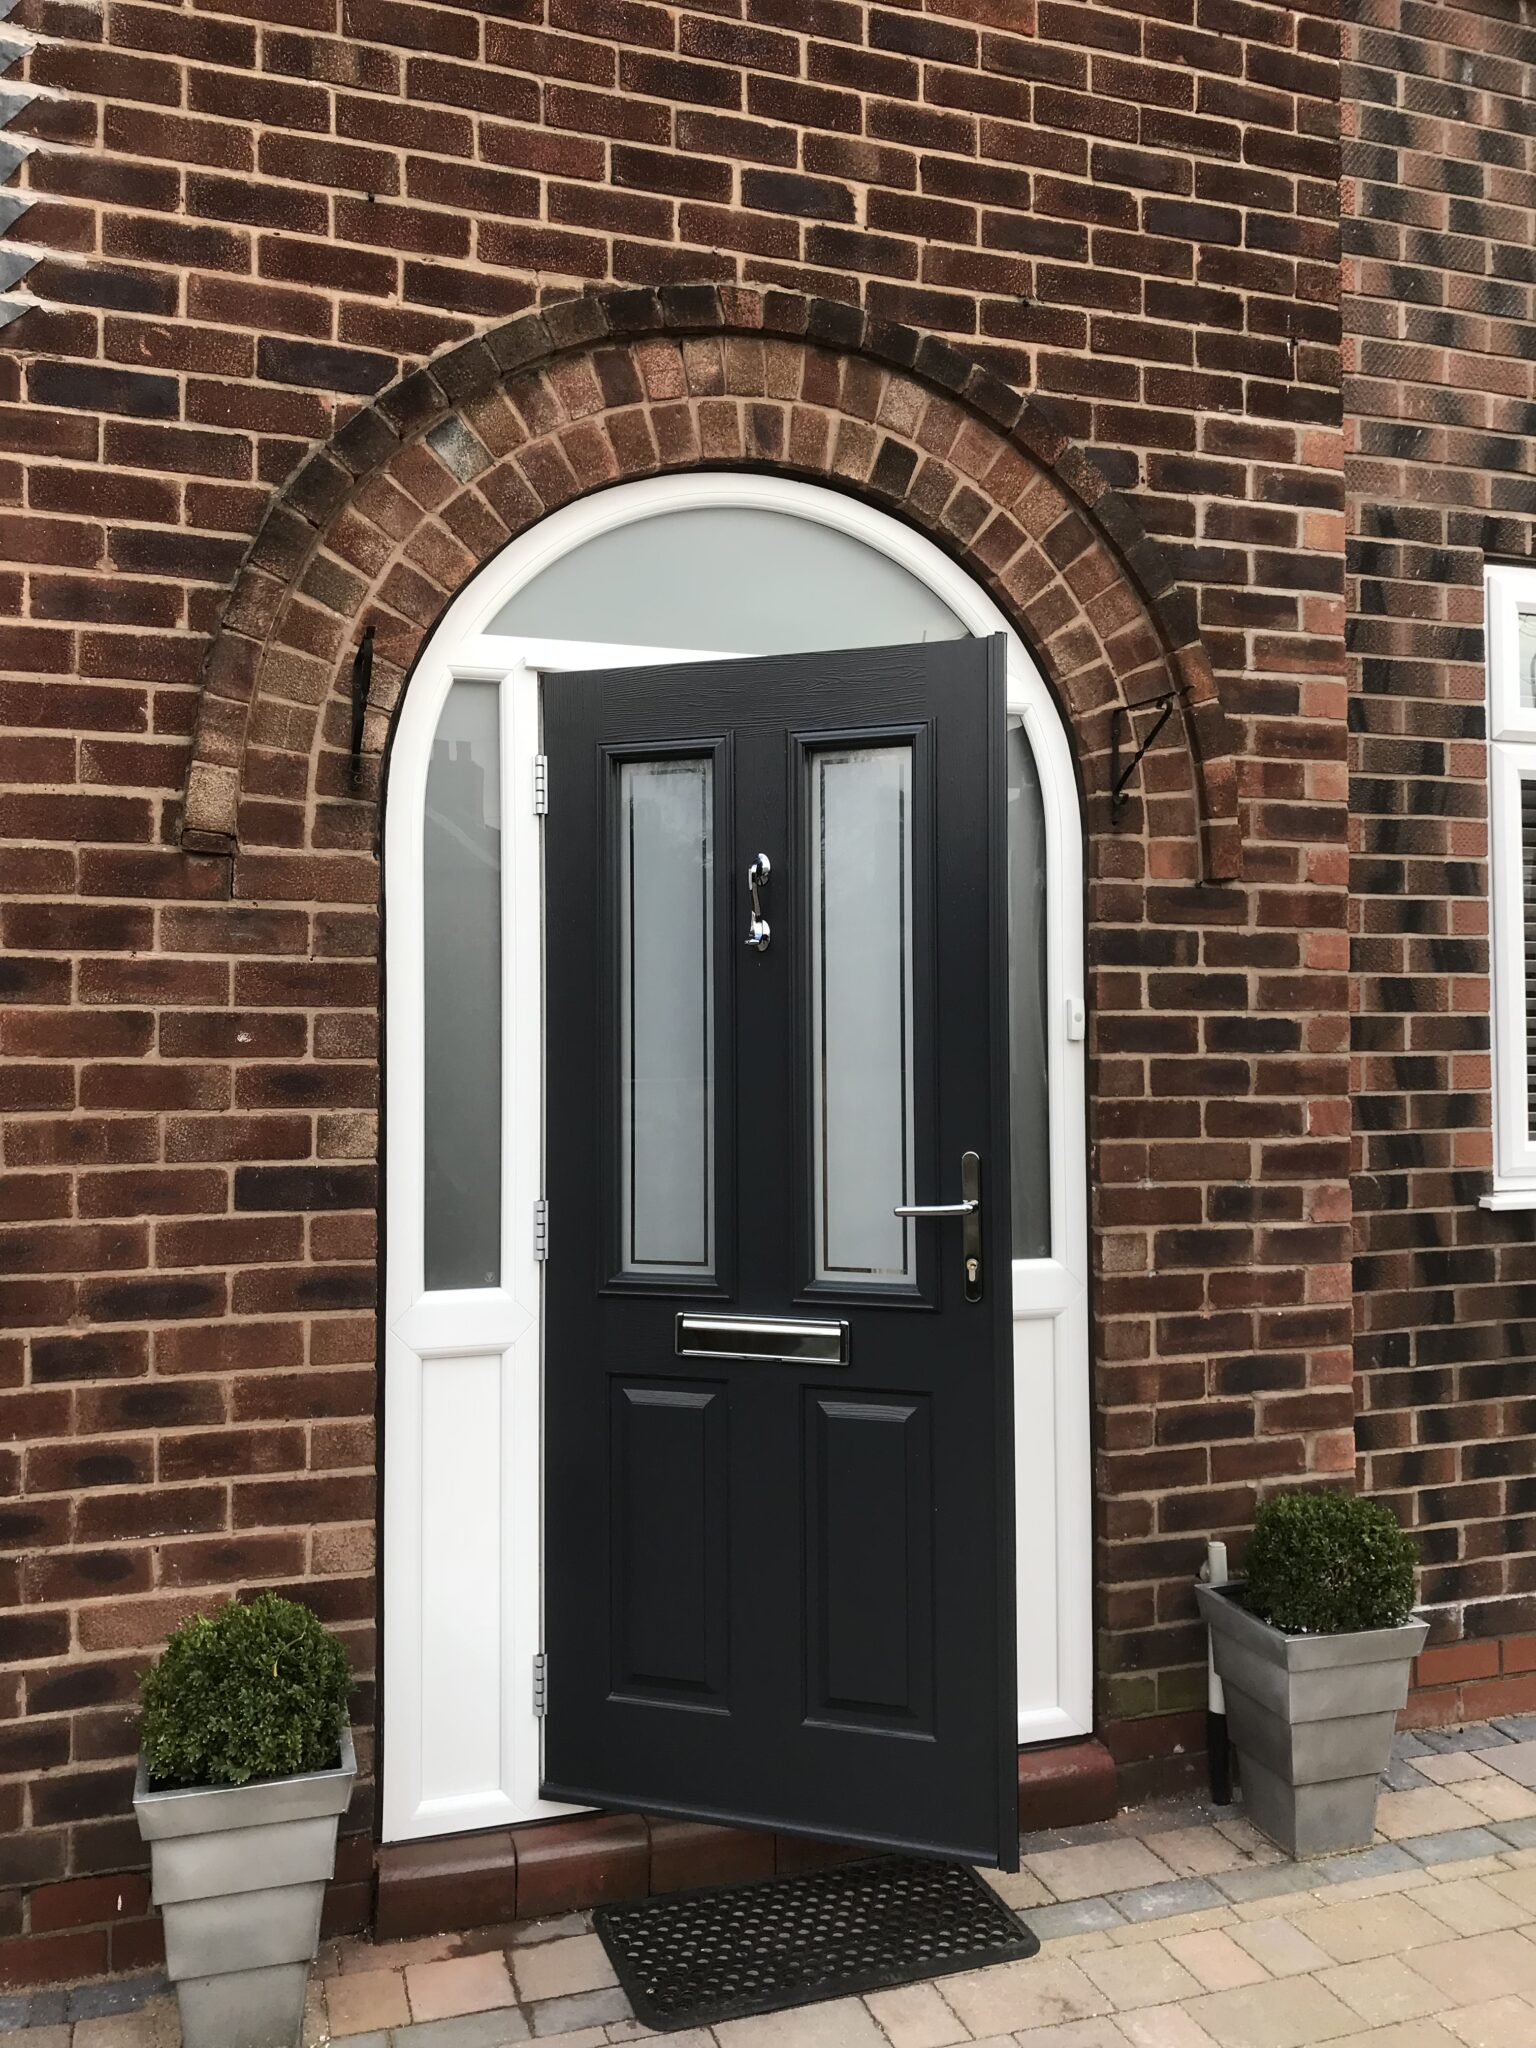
1511 616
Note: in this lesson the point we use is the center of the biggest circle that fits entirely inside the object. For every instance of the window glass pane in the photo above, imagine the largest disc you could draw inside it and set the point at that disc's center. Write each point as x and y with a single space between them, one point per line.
462 887
860 884
1528 893
730 580
666 1015
1527 657
1028 1085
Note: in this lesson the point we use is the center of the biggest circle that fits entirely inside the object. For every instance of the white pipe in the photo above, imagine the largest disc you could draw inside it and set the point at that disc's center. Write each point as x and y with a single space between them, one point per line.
1214 1572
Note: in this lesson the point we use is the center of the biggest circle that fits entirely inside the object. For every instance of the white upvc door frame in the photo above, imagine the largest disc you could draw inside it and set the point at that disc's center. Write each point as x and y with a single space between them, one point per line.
1511 764
462 1567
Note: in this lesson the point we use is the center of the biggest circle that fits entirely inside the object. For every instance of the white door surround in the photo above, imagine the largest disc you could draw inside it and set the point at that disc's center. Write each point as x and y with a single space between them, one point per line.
462 1370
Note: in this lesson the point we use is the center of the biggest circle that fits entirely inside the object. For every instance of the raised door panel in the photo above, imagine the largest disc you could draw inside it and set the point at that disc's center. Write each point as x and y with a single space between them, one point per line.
869 1538
670 1549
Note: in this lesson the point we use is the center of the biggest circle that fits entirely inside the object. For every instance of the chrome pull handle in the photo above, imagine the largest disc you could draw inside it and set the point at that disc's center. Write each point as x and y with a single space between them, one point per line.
969 1206
758 933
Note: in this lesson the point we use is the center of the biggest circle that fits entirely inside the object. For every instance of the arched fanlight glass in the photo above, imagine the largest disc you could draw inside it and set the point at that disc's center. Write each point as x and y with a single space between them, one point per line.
731 580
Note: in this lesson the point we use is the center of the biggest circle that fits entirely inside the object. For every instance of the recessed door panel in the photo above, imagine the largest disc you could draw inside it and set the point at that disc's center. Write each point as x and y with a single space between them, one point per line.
869 1561
671 1553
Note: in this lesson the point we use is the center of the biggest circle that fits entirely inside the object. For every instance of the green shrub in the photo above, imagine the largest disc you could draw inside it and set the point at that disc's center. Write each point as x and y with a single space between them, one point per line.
1328 1563
254 1691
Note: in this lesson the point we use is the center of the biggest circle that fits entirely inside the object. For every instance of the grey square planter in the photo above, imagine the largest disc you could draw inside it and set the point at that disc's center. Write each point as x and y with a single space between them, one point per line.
1311 1719
239 1874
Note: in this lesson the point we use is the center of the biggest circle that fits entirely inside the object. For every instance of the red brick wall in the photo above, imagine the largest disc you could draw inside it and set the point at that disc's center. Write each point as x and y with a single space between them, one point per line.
1440 199
255 219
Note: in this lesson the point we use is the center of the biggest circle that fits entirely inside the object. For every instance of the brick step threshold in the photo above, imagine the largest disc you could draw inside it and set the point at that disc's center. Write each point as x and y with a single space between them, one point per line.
526 1873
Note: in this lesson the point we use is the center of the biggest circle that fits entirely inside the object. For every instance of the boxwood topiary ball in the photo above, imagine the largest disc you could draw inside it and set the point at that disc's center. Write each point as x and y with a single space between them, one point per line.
1328 1563
257 1690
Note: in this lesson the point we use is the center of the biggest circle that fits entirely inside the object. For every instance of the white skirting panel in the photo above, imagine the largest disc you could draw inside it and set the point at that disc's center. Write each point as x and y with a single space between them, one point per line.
462 1709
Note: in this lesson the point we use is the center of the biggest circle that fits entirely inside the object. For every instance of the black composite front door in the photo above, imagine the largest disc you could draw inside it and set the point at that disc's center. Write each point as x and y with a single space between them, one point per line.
778 1416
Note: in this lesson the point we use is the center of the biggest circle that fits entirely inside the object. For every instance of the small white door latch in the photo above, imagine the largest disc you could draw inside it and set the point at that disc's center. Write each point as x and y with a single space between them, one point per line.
1077 1020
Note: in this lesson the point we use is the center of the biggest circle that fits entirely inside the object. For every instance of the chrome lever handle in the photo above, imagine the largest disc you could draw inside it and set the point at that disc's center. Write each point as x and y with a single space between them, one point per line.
969 1206
758 933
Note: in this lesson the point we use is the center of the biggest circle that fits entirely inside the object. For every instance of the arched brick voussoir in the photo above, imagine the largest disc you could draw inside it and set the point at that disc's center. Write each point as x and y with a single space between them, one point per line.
386 523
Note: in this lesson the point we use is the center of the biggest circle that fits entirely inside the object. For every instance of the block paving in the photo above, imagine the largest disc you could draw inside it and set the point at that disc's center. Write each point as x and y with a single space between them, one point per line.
1172 1926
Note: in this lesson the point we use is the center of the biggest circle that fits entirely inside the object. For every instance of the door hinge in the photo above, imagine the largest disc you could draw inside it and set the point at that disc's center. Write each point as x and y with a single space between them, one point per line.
541 1683
540 785
541 1230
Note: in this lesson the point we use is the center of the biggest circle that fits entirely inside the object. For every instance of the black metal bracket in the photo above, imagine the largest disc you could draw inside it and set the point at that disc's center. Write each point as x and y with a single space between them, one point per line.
362 683
1119 718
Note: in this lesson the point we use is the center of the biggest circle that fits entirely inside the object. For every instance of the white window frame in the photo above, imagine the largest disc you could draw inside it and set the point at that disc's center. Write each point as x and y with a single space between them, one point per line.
487 1597
1511 762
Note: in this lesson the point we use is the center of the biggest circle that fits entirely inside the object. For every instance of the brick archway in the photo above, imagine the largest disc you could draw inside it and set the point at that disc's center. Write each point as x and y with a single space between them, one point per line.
426 484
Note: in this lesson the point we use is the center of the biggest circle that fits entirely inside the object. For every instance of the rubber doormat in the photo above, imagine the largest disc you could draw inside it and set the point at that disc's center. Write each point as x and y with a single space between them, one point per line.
687 1959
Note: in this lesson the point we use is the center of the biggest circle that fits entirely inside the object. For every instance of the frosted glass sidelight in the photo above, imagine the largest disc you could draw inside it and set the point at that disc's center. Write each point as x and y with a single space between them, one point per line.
859 865
1027 1065
732 580
462 962
666 1015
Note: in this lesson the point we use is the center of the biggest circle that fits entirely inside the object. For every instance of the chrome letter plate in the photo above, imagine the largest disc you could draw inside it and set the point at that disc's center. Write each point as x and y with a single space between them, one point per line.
770 1337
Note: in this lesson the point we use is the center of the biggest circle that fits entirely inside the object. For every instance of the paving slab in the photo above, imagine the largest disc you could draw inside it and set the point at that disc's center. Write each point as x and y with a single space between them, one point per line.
1384 1860
1293 2014
841 2023
1516 1760
1498 2023
584 2009
1476 1735
1481 1966
1042 1992
1163 1901
1093 1871
467 2030
1074 1916
1266 1882
1455 1846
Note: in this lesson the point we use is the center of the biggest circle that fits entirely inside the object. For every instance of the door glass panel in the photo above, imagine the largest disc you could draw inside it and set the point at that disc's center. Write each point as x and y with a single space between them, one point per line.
735 580
666 1016
462 949
1030 1136
859 864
